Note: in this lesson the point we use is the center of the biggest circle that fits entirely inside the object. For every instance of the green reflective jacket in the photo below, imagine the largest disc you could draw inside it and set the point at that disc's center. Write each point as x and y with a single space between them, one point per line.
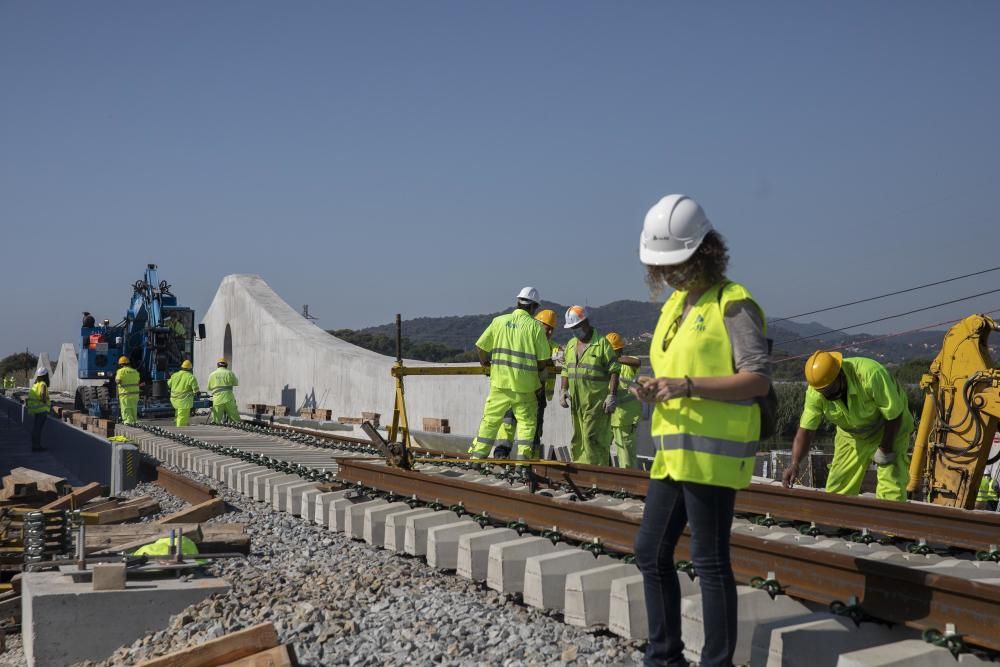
220 385
183 385
590 375
516 343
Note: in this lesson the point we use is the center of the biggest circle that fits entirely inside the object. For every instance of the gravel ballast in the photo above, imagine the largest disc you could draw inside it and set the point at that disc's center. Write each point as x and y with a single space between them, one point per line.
341 602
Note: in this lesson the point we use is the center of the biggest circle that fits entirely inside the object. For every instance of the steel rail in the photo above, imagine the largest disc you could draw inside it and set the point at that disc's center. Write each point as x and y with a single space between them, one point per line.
183 487
953 527
890 592
949 526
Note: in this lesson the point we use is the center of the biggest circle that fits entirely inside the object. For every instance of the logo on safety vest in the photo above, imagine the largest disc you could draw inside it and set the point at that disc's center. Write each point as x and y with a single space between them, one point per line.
699 323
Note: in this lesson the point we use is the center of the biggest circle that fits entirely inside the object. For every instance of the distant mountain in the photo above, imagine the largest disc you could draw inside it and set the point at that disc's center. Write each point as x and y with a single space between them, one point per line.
635 321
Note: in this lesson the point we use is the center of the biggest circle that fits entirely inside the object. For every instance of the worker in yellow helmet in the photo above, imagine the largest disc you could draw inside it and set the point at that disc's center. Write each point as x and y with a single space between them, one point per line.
183 386
220 385
625 418
590 384
127 381
505 436
873 420
515 350
39 405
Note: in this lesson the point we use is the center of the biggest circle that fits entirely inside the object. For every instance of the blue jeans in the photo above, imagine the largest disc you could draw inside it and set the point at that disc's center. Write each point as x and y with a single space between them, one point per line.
708 511
36 429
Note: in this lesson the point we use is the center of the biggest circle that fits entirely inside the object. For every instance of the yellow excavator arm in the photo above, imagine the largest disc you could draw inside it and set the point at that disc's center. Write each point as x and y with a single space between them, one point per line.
959 417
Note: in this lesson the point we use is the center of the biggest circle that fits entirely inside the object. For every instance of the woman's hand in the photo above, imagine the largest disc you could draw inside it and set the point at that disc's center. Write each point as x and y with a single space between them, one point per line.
656 390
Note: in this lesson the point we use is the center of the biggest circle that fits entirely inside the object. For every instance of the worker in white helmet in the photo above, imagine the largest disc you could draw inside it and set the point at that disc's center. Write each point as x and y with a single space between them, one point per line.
589 385
220 385
38 405
516 351
709 358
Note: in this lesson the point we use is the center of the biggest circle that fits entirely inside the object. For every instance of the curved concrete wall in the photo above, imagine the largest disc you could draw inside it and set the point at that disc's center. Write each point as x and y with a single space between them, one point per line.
280 357
66 375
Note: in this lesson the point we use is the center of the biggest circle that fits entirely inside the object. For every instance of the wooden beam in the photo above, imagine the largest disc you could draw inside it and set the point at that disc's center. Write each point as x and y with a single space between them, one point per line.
45 482
272 657
76 499
130 510
222 650
215 537
197 513
193 533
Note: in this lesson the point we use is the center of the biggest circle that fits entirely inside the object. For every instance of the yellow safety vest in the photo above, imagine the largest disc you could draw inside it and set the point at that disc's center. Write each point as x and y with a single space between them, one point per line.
127 379
38 399
699 439
515 343
986 492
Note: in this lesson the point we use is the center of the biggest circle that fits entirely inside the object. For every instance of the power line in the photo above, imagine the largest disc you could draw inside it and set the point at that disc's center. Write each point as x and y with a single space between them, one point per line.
882 296
878 338
888 317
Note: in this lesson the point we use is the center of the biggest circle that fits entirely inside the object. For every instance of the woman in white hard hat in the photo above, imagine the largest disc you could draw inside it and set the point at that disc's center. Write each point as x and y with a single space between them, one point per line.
710 362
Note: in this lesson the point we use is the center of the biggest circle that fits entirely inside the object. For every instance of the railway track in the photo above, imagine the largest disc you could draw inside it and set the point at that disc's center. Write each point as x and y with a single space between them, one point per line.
867 579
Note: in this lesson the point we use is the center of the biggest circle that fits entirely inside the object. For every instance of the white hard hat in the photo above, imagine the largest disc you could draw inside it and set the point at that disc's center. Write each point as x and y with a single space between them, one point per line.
41 371
575 315
672 231
529 294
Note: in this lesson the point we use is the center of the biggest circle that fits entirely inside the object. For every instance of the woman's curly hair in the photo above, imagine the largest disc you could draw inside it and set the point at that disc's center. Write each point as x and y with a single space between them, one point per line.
704 268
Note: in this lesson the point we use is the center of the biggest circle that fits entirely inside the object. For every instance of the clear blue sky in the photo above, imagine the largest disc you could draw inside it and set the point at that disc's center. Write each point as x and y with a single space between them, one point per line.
433 157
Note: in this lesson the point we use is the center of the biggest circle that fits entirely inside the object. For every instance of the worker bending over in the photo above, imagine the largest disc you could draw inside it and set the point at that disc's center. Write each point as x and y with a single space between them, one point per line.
625 418
220 386
515 350
873 420
127 381
39 405
505 436
183 386
590 384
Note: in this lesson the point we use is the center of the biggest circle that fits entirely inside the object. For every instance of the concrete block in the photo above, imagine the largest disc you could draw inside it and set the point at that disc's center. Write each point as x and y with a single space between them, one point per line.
289 498
308 503
627 611
755 609
505 571
108 576
588 593
374 528
415 531
474 551
395 528
336 516
276 486
234 474
321 506
442 543
244 483
64 622
907 653
545 576
815 640
354 517
261 484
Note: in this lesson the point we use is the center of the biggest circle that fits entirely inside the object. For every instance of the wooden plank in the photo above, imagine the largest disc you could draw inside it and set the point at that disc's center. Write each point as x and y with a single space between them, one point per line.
197 513
272 657
75 499
125 512
215 537
222 650
45 482
193 533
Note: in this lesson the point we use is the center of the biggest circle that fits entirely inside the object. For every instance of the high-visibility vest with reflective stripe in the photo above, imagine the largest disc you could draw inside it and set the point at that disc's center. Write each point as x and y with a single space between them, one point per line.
698 439
986 491
127 379
183 385
629 410
550 376
516 343
590 374
220 385
38 401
